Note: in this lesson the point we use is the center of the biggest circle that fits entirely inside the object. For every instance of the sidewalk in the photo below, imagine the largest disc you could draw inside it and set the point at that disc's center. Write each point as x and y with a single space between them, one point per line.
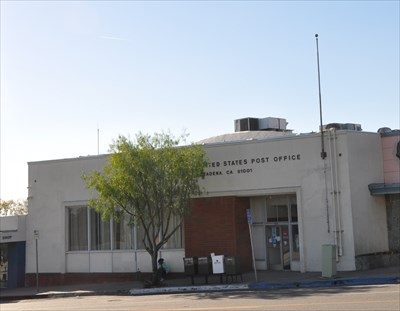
265 280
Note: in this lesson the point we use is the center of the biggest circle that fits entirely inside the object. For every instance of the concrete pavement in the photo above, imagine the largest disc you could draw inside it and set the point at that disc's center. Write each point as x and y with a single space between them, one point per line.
265 280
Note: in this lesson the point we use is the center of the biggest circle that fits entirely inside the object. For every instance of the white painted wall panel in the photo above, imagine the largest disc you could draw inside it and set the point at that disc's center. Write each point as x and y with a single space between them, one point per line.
124 262
77 263
100 262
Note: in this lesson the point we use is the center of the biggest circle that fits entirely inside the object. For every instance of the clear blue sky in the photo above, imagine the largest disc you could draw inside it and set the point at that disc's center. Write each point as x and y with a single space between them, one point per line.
68 68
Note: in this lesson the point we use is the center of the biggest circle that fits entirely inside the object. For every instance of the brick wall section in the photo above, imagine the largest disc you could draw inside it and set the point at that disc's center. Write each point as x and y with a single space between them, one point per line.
243 245
219 225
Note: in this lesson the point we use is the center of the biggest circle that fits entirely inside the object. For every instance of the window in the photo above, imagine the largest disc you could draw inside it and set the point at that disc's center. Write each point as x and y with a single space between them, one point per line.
295 242
78 220
139 237
293 209
123 237
84 225
99 232
77 228
176 240
277 213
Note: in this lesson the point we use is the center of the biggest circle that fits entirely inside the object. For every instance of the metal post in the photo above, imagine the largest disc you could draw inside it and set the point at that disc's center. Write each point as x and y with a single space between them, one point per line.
36 236
37 267
323 152
252 252
250 222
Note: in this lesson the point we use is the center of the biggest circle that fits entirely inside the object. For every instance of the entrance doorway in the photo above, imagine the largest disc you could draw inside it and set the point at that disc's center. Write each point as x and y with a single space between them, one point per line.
12 264
276 232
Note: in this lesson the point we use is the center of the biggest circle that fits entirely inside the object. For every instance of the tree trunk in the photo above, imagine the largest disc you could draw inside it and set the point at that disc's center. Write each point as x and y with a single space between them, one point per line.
155 278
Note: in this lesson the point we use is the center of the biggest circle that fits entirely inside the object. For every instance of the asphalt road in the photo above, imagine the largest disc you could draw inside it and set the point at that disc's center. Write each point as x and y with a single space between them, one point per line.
374 297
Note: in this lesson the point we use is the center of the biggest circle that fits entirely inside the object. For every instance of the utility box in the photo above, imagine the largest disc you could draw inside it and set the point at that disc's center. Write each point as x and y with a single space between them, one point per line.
218 264
328 260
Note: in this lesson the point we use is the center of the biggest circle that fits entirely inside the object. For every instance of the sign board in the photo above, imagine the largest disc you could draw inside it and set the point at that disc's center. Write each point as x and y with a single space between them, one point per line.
12 229
36 234
249 219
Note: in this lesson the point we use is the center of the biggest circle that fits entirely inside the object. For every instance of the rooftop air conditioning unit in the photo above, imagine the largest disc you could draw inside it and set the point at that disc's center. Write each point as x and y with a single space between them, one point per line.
275 124
246 124
343 126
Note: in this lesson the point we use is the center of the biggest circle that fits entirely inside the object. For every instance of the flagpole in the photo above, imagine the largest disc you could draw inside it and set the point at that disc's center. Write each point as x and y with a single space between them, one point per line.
323 153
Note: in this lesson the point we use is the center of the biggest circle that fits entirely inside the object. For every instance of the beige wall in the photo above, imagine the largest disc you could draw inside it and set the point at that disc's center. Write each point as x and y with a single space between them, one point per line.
368 212
52 186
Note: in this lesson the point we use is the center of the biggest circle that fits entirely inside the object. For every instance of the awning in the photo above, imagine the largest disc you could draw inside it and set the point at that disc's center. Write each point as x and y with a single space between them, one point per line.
382 188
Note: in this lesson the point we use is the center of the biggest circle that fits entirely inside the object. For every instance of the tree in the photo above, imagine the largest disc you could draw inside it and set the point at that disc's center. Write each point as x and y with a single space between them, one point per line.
152 181
13 208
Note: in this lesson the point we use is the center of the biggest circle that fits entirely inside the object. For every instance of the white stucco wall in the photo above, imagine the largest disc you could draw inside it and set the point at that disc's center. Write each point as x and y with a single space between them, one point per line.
52 186
365 166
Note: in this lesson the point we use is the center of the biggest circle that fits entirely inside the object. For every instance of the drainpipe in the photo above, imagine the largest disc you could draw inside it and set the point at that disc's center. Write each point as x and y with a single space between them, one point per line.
333 192
326 197
336 192
338 206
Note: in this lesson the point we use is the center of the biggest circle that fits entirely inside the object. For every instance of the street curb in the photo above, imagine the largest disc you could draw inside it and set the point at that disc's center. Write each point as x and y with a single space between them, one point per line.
188 289
261 286
326 283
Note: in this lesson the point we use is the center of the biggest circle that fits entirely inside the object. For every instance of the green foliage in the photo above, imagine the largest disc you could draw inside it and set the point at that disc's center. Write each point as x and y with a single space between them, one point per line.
13 208
152 180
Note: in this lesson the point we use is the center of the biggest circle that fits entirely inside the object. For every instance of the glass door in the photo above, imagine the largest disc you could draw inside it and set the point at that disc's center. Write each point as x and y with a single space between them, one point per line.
278 247
274 258
285 247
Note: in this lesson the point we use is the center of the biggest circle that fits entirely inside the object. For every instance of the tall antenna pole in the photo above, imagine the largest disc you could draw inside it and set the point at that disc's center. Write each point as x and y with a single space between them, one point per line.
323 153
98 140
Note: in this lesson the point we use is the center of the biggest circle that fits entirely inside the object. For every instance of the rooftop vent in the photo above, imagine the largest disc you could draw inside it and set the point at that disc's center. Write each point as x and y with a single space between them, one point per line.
384 130
265 124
